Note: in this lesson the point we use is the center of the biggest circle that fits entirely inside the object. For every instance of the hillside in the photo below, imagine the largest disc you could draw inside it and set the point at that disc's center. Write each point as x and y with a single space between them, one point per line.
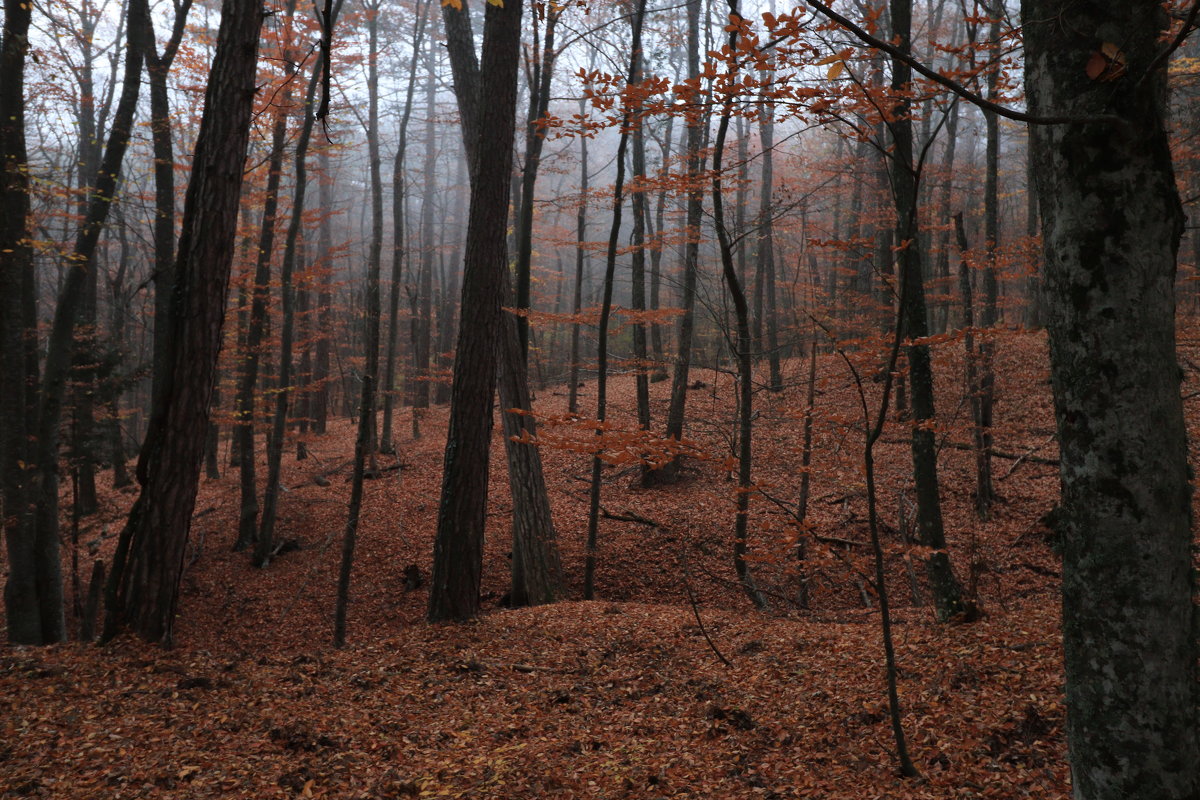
621 697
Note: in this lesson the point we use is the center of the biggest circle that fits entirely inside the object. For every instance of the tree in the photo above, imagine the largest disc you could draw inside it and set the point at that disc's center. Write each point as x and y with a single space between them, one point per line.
462 509
697 124
143 588
628 120
1112 223
29 604
945 587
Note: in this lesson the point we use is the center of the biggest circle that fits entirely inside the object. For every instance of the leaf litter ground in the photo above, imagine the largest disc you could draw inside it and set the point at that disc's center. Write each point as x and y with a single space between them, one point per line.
620 697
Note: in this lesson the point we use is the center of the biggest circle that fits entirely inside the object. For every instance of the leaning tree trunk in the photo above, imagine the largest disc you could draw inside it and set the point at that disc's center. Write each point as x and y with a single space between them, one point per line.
1112 223
60 345
264 542
462 509
366 415
535 570
244 402
144 585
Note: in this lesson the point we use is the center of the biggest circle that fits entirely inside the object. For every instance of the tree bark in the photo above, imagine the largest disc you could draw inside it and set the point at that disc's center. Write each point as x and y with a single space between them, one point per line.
366 416
462 509
1112 223
945 586
399 200
22 592
143 588
697 123
256 326
61 344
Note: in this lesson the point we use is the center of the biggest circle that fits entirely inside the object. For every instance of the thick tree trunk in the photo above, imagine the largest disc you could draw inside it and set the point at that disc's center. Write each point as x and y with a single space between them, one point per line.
536 567
22 592
144 585
1112 223
462 509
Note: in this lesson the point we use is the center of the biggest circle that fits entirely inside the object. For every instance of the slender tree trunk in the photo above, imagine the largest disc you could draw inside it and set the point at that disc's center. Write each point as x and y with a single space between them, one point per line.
447 315
143 587
399 200
256 326
946 592
696 125
321 374
766 241
744 355
1112 223
423 302
264 543
539 102
985 492
656 254
362 443
580 263
632 80
158 68
638 260
979 436
941 316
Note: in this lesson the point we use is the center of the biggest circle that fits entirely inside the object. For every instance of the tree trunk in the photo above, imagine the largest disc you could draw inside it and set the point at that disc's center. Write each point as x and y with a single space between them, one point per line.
697 123
143 587
399 200
264 542
462 509
945 586
985 491
23 591
320 399
366 417
744 355
1112 223
423 302
60 345
539 102
580 263
256 326
766 241
632 79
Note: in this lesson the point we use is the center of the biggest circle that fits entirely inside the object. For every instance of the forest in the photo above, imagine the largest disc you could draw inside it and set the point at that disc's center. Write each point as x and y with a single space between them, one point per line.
599 398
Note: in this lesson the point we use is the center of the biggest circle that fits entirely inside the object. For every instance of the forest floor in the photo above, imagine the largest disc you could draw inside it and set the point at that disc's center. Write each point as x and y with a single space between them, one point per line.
622 697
